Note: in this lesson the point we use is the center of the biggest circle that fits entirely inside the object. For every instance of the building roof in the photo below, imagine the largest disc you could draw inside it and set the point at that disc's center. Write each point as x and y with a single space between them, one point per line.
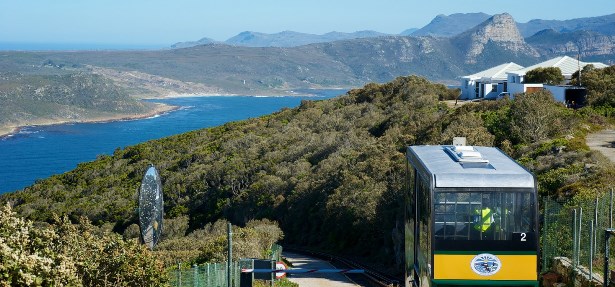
499 171
566 64
496 73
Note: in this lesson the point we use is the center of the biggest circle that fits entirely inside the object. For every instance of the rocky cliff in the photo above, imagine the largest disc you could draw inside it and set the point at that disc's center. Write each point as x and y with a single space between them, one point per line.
500 30
588 44
451 25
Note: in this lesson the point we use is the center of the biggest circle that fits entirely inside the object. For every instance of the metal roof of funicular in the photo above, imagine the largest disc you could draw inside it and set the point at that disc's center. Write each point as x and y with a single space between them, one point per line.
473 166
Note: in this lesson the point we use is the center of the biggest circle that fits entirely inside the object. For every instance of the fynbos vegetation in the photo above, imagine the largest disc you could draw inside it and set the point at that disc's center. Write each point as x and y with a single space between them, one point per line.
330 172
31 99
66 254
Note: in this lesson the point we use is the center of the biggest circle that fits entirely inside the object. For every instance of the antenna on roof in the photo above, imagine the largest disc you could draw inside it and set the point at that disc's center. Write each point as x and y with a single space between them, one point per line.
579 66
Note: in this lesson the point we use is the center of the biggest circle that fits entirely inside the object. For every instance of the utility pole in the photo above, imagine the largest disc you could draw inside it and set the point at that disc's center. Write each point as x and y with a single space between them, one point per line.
579 66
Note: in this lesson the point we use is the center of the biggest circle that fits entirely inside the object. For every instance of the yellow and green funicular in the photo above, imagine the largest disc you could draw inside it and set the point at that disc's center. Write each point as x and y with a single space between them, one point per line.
471 218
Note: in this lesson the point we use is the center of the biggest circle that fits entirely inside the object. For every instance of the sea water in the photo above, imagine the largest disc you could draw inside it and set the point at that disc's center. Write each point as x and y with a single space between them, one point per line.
38 152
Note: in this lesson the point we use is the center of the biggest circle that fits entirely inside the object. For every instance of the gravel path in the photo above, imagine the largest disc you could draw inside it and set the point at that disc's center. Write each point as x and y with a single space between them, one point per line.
604 142
315 279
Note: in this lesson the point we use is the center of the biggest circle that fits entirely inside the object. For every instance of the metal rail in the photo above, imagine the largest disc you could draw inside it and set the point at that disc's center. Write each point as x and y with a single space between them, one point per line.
375 277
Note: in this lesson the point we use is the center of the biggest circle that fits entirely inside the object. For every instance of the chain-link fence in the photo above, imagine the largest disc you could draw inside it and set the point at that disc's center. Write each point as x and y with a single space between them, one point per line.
216 274
206 275
276 253
576 229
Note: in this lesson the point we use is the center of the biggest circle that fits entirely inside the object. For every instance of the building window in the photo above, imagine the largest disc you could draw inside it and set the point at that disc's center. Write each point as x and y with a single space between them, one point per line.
476 90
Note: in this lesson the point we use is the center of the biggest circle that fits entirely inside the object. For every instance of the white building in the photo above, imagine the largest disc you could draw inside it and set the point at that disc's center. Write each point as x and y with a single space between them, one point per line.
487 84
568 66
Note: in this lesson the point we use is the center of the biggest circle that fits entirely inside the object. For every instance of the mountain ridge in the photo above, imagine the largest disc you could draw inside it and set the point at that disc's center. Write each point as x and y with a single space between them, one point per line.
440 26
282 39
501 30
451 25
583 43
601 24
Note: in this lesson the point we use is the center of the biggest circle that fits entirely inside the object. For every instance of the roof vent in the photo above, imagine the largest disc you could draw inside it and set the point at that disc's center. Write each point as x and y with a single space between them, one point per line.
466 154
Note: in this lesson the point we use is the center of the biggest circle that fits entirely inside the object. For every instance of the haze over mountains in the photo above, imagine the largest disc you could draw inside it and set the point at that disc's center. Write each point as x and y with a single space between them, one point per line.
345 63
444 55
441 26
282 39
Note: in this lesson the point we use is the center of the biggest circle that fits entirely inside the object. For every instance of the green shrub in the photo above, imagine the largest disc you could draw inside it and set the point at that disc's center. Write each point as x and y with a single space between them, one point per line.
66 254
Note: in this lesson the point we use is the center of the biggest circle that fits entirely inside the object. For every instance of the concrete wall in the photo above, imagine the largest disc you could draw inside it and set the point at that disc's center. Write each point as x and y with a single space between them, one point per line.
514 88
485 89
564 274
467 89
559 92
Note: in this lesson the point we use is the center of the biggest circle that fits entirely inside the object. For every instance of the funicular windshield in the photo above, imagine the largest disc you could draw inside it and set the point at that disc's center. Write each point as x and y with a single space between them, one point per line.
483 215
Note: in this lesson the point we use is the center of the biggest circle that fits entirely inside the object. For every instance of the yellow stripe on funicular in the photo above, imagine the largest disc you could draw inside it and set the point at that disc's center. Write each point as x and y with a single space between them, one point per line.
514 267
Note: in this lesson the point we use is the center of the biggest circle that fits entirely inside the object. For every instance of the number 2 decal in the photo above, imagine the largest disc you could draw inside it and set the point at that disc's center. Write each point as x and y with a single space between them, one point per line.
523 235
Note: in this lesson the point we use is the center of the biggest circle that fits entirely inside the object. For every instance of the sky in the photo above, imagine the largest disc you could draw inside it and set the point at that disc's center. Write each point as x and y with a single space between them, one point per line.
163 23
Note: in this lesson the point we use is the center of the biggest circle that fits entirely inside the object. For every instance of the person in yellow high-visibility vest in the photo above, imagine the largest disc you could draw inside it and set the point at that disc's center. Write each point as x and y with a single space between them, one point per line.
483 218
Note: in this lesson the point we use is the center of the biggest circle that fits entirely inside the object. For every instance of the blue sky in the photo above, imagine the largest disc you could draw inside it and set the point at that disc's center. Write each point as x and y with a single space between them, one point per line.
156 22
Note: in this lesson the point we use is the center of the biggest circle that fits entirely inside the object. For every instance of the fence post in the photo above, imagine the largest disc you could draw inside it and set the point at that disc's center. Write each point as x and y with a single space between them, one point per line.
574 239
595 230
208 274
544 240
579 236
179 274
611 211
230 256
195 275
591 251
607 236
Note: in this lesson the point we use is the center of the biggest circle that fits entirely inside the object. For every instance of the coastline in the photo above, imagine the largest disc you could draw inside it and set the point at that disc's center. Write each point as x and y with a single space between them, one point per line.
286 93
159 109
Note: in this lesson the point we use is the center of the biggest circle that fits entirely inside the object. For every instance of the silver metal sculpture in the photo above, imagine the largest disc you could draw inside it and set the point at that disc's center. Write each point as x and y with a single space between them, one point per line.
150 208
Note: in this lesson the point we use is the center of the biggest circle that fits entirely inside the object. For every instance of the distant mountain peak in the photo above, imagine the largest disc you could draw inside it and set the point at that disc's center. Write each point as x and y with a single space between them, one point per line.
202 41
500 29
451 25
601 24
292 38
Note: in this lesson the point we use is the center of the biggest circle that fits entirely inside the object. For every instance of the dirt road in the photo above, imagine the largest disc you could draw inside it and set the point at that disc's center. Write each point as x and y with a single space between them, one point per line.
604 142
315 279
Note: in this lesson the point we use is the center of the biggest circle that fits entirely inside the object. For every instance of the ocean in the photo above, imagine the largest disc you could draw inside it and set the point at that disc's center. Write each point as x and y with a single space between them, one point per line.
38 152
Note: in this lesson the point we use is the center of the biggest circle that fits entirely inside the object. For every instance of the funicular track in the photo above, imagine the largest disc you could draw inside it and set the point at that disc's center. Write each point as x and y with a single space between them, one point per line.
371 276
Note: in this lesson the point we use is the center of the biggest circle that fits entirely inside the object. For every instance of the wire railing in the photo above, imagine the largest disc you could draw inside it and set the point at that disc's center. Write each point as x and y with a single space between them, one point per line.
576 229
216 274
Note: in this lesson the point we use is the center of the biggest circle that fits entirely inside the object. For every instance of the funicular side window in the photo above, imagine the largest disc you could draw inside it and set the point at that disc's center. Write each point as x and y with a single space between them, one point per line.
482 215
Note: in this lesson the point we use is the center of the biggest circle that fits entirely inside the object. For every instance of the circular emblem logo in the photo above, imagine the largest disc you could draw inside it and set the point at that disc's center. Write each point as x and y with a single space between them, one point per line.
486 264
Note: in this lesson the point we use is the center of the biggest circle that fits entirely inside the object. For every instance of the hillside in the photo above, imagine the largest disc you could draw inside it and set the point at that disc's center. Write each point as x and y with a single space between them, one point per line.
331 172
584 43
293 39
202 41
345 63
73 97
440 26
242 70
601 24
216 68
281 39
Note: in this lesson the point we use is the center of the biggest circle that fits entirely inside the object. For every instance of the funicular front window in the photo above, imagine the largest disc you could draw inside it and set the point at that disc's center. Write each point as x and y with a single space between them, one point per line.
482 215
